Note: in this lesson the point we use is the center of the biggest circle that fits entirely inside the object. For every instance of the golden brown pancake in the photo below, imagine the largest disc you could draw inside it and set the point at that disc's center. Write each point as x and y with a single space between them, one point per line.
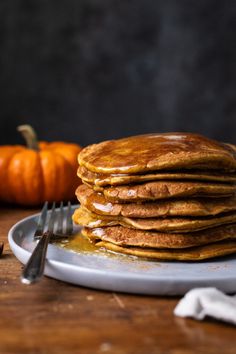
123 236
152 152
86 218
162 196
97 203
166 189
101 180
217 249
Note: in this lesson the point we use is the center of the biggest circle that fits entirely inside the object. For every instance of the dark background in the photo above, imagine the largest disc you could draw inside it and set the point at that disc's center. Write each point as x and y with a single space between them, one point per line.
89 70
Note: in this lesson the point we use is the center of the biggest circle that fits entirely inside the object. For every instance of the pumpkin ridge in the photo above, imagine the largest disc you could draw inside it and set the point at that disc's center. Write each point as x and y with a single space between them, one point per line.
24 177
6 155
49 177
65 150
42 198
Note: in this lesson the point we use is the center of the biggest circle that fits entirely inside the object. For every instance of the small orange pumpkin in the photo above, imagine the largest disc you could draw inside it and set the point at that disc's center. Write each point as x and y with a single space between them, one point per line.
39 172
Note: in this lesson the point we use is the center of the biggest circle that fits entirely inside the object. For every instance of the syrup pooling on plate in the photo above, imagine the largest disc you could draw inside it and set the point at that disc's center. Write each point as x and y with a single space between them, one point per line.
78 243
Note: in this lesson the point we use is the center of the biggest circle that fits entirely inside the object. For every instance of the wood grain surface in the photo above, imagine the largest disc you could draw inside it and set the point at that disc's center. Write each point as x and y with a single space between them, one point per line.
55 317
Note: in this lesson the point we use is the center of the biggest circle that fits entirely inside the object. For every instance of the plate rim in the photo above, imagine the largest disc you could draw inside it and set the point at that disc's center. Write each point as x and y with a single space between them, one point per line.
147 279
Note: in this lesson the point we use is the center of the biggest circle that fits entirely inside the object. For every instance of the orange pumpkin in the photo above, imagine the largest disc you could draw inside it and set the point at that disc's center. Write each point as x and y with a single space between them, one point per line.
39 172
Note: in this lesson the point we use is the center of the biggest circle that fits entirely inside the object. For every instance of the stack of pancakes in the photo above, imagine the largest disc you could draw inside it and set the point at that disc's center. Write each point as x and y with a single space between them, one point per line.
161 196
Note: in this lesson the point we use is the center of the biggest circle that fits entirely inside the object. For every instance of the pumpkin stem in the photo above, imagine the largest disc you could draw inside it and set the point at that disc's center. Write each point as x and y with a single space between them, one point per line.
29 135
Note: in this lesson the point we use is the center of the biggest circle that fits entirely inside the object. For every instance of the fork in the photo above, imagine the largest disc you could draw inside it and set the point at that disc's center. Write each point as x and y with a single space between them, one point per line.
34 268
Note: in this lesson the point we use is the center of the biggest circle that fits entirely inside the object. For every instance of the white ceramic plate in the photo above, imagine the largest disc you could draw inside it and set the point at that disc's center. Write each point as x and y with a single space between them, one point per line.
123 273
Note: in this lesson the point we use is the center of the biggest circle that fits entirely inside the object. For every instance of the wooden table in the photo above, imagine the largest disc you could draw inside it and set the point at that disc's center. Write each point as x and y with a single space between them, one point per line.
55 317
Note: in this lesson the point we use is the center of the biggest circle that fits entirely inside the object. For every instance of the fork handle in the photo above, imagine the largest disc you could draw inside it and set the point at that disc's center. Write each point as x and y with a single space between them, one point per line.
34 268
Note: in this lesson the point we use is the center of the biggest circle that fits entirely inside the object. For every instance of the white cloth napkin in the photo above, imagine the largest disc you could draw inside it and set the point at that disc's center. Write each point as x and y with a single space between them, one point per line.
201 302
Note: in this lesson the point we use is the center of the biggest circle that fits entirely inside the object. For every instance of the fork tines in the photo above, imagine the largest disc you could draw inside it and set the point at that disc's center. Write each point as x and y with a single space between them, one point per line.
57 222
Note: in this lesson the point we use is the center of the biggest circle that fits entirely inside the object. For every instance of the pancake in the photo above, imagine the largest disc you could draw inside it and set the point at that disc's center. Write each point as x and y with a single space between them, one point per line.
101 180
152 152
123 236
217 249
166 189
86 218
161 196
97 203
